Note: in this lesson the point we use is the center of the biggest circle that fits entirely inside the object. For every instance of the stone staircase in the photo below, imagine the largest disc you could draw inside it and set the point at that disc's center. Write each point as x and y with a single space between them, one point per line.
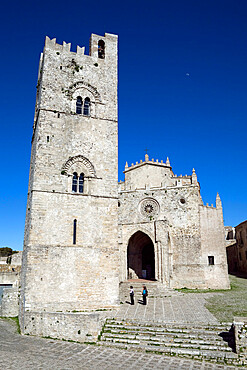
202 342
155 289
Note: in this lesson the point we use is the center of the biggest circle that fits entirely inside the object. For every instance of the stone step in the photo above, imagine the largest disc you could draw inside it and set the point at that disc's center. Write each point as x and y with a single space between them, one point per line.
167 342
136 322
165 332
211 356
169 338
166 335
167 328
201 341
158 324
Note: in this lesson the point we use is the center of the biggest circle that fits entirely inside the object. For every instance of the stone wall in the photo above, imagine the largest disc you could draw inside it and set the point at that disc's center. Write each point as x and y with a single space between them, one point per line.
241 237
70 256
240 330
237 249
174 230
232 258
71 278
9 304
150 174
214 257
9 274
80 327
16 259
184 233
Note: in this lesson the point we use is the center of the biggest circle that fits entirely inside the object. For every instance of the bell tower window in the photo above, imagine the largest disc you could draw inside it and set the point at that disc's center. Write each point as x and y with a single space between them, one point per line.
86 109
81 183
74 182
101 49
79 105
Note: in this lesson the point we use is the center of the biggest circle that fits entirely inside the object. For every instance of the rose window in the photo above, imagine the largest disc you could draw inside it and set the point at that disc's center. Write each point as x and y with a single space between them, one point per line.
149 208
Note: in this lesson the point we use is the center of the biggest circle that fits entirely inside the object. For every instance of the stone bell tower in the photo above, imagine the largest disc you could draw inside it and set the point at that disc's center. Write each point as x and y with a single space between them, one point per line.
70 257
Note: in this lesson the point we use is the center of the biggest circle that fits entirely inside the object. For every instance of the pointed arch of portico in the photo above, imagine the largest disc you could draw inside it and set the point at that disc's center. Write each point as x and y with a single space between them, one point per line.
159 234
144 231
140 256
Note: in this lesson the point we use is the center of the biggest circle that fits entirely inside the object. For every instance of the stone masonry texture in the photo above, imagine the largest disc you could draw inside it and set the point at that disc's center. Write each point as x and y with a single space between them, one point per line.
183 232
84 232
63 269
27 352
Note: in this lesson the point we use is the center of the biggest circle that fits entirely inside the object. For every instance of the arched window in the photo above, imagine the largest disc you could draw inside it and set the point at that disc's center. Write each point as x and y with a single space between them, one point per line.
74 182
74 231
86 109
101 49
79 105
81 183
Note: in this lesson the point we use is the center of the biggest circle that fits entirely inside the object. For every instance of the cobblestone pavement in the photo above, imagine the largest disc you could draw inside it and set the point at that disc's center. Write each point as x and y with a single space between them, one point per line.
26 352
184 308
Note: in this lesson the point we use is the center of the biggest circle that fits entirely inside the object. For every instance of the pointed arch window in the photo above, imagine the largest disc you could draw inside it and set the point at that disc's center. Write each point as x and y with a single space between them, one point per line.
101 49
81 183
74 182
79 105
86 109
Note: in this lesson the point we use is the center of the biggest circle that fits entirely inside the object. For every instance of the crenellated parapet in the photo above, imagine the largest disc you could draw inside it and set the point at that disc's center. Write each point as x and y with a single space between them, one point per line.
150 173
218 203
151 162
52 44
67 79
66 46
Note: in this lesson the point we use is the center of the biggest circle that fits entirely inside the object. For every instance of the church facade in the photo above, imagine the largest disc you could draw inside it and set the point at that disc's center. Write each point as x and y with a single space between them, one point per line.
84 232
166 232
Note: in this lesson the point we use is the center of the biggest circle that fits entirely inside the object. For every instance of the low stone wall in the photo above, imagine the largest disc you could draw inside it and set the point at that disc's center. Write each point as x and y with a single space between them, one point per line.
16 259
9 278
9 304
240 330
80 327
10 268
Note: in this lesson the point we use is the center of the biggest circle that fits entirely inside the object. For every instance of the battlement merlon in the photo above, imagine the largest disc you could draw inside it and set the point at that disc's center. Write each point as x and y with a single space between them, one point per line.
166 164
147 161
109 40
218 203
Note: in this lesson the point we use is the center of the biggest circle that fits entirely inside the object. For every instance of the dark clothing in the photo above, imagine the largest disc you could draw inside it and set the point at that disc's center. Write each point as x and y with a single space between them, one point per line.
131 296
144 296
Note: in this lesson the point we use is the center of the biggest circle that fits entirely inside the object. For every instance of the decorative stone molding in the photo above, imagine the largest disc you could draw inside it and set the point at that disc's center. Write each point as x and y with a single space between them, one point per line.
76 159
85 85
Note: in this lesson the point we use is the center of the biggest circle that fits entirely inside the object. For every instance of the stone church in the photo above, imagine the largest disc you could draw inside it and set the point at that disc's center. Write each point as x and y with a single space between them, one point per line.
85 233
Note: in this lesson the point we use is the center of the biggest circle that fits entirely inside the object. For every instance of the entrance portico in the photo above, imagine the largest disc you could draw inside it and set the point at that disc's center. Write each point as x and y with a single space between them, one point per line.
140 257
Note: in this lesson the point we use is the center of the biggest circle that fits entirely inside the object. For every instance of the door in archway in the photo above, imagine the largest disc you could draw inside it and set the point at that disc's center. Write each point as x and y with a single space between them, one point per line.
140 257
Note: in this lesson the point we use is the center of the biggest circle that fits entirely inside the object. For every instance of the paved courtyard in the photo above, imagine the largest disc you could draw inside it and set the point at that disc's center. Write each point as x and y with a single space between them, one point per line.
180 308
26 352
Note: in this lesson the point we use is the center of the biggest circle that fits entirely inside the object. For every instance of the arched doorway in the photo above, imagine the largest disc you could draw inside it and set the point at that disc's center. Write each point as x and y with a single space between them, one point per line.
140 257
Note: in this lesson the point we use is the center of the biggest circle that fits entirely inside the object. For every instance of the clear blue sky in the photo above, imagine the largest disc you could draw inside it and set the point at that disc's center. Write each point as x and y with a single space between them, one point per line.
182 90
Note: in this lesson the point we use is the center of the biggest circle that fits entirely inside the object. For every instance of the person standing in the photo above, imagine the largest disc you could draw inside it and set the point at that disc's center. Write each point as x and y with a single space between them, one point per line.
131 295
144 295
